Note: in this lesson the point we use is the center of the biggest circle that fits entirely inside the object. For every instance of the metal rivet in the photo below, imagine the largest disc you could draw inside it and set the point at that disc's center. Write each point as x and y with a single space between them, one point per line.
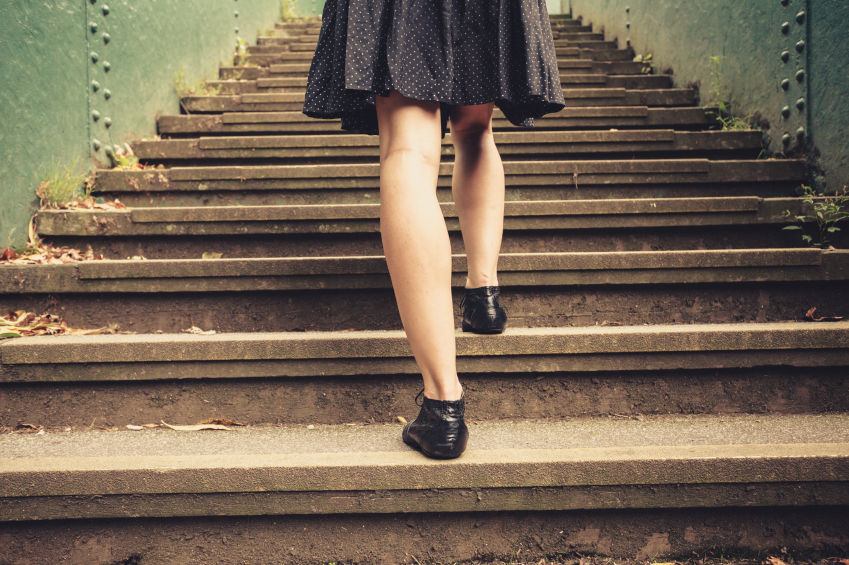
784 2
800 17
628 9
236 14
96 144
237 30
785 84
93 27
785 111
628 25
800 133
94 57
107 94
95 86
785 56
95 115
105 10
107 122
785 139
800 104
785 28
800 46
108 150
800 75
106 66
107 38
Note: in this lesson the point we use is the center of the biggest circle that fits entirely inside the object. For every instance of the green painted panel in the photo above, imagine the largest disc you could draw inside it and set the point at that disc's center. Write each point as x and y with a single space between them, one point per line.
682 35
48 66
43 101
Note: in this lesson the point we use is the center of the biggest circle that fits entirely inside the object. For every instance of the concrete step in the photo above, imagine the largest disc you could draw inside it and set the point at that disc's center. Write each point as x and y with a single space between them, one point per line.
585 77
312 377
526 180
530 216
515 269
511 145
593 465
276 54
605 117
574 97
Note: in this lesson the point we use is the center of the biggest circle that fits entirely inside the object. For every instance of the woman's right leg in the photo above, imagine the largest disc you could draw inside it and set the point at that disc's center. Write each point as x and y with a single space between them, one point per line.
415 238
478 187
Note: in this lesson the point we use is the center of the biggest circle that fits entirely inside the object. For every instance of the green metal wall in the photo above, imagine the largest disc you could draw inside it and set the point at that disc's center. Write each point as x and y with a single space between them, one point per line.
752 36
52 52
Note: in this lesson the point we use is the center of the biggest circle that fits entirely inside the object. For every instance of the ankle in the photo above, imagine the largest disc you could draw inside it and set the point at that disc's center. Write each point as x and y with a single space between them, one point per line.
448 392
481 281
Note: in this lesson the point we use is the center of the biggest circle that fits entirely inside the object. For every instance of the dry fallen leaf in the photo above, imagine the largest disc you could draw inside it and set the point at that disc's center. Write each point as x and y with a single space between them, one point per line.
46 254
775 561
197 331
221 421
197 427
810 317
132 427
150 425
210 255
402 419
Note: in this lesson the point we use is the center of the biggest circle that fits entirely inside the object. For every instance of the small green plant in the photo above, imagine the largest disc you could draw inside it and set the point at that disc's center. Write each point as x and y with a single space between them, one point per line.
823 211
288 13
62 184
188 85
240 55
647 63
721 94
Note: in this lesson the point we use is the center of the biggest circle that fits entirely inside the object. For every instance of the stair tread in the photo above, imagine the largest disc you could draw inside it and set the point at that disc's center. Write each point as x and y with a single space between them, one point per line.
504 455
393 344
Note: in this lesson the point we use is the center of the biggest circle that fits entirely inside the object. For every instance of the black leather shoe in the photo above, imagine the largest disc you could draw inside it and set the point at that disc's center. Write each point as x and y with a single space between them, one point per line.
439 430
481 312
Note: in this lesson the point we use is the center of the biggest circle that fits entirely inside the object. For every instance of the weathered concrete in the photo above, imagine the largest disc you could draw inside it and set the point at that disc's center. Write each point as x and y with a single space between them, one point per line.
430 537
392 344
500 456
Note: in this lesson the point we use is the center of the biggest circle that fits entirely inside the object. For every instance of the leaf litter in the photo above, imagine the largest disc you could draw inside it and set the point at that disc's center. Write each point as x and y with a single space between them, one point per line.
29 324
208 424
809 316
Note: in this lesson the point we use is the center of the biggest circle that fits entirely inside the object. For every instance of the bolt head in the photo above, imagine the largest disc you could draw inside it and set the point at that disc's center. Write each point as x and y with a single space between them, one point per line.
800 46
96 144
108 150
95 115
94 57
800 133
785 28
95 86
800 17
800 75
107 122
785 111
106 66
800 104
105 10
785 83
785 139
93 27
107 38
107 94
784 2
785 56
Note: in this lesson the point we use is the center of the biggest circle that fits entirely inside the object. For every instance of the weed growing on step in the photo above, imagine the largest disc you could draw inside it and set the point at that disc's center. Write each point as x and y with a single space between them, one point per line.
646 61
240 55
61 184
187 85
822 211
720 94
288 13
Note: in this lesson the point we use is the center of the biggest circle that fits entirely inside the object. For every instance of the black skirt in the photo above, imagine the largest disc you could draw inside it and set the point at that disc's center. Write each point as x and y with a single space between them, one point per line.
457 52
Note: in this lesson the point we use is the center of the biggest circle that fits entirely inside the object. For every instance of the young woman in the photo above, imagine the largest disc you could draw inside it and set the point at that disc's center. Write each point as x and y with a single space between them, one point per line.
406 69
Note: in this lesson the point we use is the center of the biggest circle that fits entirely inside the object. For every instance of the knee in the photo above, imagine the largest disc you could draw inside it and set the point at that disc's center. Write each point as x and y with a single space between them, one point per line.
470 132
412 154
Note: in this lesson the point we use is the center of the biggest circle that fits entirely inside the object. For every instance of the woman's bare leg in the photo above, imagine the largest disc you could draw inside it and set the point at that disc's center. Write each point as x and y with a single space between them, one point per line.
478 187
415 239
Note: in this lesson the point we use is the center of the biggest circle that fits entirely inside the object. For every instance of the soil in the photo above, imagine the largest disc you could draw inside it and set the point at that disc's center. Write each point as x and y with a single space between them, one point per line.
688 536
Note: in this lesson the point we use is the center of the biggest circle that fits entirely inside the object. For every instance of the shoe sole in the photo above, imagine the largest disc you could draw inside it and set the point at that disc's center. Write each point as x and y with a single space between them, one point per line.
412 443
482 332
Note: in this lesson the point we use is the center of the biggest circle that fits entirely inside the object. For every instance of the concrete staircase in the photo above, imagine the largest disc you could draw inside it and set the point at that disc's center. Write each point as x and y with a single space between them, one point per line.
658 391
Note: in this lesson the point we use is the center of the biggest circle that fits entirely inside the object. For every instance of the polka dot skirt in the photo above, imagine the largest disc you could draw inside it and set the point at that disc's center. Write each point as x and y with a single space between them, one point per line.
459 52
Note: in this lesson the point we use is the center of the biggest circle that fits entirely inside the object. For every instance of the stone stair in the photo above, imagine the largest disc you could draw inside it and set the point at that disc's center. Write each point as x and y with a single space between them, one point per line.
656 360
